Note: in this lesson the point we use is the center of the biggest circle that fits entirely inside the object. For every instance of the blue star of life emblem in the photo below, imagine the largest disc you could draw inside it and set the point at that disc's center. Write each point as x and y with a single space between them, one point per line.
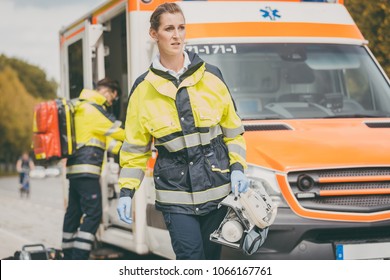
270 13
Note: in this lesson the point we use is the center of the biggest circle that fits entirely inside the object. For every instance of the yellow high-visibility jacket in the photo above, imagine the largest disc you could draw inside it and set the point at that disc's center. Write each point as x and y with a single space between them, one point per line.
196 131
96 131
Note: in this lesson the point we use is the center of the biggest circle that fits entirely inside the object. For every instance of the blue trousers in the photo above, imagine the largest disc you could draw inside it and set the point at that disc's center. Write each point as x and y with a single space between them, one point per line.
190 234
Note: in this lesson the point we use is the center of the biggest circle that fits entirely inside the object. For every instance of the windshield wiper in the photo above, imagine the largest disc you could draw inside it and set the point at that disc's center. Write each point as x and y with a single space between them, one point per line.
356 115
261 118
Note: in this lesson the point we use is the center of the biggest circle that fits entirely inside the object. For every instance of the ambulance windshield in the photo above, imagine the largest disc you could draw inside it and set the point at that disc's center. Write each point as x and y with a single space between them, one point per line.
289 81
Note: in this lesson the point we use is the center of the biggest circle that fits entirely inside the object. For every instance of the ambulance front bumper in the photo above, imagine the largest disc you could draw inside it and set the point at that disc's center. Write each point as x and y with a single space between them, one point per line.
293 237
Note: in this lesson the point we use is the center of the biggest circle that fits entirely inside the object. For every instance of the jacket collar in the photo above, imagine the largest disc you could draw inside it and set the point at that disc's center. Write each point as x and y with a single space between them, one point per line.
165 83
156 64
93 96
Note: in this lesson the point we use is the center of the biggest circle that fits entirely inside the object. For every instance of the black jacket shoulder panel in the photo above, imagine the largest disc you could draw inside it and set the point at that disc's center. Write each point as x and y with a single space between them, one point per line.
108 115
215 70
139 80
194 58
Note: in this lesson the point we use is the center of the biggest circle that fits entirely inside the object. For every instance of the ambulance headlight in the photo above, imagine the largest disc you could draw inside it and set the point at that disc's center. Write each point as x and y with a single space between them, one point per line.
266 178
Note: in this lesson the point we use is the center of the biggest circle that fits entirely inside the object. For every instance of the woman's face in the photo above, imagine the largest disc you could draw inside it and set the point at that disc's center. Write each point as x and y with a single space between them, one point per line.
170 35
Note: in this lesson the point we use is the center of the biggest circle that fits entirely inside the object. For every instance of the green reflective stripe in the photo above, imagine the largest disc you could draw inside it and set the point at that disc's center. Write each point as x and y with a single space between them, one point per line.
82 245
234 148
233 132
135 149
113 128
134 173
112 145
68 235
178 197
190 140
83 168
86 235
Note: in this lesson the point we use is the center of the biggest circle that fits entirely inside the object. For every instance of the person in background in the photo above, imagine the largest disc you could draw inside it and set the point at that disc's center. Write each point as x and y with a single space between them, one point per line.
23 166
96 131
183 104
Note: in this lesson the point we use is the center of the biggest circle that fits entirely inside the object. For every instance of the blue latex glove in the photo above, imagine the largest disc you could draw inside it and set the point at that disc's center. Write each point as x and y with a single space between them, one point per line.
124 209
239 179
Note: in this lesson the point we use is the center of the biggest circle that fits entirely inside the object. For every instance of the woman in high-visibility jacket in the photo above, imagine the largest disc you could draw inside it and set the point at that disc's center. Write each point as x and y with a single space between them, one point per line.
184 105
96 131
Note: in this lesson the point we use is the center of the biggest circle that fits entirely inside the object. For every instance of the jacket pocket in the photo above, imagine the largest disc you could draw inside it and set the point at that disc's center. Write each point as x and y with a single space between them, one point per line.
217 168
217 158
171 177
208 117
161 126
215 165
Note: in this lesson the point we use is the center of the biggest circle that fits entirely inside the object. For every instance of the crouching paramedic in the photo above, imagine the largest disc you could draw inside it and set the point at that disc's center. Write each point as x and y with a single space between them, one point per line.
96 130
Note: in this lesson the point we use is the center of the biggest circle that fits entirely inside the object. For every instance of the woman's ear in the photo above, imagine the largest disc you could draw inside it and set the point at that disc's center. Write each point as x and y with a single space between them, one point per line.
153 34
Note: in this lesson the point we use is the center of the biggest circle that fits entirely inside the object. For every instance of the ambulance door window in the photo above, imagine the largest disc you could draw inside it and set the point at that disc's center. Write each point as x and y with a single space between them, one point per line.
75 62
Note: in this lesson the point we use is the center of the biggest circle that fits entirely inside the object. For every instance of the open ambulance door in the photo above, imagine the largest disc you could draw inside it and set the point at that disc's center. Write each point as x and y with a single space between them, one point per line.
91 50
79 46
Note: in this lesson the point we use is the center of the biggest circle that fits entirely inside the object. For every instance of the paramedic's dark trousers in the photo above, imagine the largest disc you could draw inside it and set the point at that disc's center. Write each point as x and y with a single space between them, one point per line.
190 234
84 199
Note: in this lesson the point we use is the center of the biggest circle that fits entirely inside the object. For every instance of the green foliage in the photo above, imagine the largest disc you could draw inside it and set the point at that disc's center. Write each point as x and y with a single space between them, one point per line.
373 20
22 86
16 115
32 77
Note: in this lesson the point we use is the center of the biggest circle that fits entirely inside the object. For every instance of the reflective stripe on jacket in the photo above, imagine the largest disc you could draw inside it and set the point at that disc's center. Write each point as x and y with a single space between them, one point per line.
96 131
196 131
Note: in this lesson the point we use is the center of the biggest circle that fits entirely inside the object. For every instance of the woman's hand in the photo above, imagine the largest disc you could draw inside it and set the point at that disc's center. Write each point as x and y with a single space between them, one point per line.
238 179
124 209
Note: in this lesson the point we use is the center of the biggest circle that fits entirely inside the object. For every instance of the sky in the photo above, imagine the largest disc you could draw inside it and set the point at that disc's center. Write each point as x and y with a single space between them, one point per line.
29 29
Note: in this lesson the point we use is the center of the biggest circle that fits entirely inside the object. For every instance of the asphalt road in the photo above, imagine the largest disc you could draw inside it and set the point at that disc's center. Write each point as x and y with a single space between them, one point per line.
34 220
38 219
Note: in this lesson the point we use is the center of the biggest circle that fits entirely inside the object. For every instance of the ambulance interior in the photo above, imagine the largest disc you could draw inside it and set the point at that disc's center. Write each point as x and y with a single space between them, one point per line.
115 62
289 81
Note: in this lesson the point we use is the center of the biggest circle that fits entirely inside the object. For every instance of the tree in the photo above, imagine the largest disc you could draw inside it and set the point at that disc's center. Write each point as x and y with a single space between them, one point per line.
16 115
373 19
32 77
22 86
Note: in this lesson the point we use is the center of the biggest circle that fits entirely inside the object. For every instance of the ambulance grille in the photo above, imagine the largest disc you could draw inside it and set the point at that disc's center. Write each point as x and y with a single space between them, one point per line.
266 127
362 190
